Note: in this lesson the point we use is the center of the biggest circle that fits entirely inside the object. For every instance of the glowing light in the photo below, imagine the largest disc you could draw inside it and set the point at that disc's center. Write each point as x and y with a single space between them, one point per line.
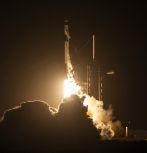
102 118
70 87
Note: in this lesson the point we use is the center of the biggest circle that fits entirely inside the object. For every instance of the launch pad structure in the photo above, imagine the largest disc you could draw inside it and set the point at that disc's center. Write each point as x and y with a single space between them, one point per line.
94 78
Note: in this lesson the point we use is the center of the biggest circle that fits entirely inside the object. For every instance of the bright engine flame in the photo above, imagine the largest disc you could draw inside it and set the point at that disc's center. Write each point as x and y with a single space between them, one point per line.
70 87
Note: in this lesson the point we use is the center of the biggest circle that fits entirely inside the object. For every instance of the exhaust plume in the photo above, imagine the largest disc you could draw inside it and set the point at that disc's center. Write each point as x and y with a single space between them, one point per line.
102 118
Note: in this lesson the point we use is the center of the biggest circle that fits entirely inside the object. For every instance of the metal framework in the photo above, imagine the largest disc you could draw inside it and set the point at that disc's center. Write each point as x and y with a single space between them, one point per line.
94 77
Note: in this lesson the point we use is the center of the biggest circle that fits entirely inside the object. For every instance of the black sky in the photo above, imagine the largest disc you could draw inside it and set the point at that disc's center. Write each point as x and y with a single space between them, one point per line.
32 51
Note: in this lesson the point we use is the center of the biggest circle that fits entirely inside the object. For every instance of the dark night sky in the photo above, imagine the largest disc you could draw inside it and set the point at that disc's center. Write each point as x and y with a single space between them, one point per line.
32 51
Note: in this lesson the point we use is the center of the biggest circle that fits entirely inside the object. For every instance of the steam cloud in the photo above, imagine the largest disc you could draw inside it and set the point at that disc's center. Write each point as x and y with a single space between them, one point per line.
102 118
35 126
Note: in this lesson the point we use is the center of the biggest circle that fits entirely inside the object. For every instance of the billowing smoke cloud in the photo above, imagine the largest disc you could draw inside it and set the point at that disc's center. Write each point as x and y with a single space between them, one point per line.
102 118
35 125
26 126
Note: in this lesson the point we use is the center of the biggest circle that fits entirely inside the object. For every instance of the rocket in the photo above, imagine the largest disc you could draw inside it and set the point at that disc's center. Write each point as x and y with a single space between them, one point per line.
69 67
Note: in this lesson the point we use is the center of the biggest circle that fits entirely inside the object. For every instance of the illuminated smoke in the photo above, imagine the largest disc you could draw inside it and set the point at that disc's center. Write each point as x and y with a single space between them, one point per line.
69 66
102 118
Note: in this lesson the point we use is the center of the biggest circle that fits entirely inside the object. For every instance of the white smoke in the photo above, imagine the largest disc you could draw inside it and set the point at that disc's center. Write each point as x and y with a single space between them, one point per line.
102 118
